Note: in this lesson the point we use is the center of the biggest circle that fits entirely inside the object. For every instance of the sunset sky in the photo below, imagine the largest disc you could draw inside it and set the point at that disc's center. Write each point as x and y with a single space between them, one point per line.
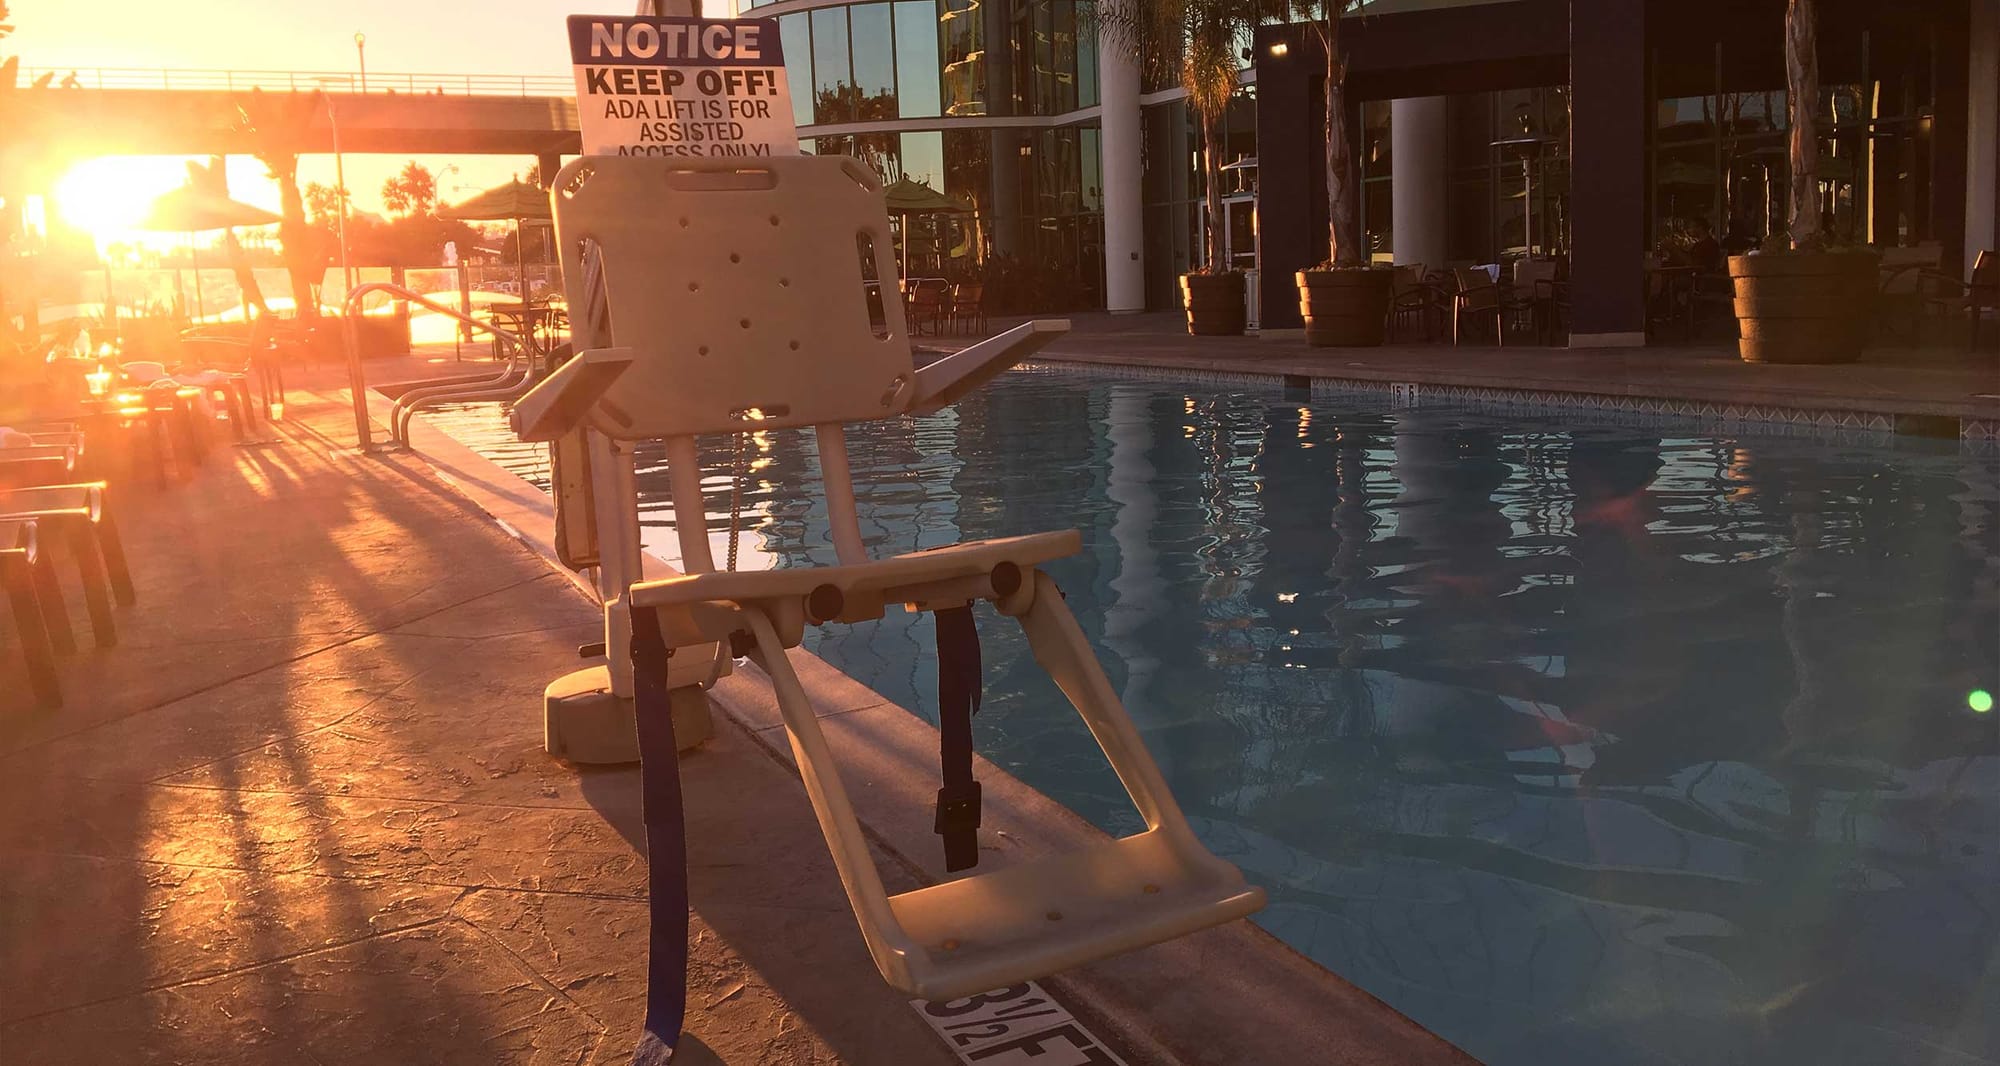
443 36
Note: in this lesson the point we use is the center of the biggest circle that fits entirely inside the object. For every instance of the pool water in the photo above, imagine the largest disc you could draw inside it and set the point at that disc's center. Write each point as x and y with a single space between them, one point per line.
1576 743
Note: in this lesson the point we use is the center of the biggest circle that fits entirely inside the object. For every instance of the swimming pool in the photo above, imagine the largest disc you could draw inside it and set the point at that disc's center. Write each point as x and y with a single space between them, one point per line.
1575 743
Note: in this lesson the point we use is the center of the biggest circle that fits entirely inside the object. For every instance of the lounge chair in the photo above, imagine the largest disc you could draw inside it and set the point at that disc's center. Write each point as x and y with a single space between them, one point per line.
77 513
736 298
20 554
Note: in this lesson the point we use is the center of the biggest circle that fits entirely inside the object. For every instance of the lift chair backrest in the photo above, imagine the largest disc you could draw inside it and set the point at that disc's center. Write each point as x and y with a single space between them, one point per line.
737 286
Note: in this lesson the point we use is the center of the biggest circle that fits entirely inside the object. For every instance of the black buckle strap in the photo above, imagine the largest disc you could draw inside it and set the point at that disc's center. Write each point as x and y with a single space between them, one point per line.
666 844
958 700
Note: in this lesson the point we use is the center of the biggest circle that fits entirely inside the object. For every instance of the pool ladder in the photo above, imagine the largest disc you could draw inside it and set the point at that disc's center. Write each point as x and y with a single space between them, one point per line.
512 381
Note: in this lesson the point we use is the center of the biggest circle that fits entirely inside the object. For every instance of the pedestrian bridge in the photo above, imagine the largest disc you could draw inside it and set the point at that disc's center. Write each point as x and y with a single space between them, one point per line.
87 113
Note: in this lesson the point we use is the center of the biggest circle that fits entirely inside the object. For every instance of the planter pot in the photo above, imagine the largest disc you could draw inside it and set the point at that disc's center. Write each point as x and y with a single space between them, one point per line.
379 335
1214 304
1794 307
1345 308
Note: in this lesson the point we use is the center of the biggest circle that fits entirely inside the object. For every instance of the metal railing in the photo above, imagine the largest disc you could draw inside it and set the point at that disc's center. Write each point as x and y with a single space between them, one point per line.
523 85
501 386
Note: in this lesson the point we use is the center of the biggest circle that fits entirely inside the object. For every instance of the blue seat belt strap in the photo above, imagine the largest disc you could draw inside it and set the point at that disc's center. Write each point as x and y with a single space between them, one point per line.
958 701
666 845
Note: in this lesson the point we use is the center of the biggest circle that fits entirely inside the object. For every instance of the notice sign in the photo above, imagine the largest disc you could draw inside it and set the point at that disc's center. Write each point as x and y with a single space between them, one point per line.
681 86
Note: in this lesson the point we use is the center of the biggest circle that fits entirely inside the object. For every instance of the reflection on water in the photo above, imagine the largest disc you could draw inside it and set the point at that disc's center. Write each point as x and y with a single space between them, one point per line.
1577 745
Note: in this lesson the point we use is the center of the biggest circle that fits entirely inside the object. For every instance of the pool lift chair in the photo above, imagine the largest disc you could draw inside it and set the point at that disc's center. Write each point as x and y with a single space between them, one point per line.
735 295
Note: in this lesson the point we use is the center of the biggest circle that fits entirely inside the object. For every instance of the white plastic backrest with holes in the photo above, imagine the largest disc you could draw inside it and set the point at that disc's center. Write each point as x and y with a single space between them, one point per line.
735 285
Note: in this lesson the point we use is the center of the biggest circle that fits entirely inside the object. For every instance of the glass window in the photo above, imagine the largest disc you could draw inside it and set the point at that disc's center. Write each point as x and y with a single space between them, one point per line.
1093 169
874 61
917 65
833 78
796 35
1063 55
883 152
923 158
962 38
1086 55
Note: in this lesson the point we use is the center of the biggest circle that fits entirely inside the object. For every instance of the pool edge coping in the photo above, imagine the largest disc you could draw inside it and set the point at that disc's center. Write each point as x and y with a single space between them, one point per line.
1269 991
1770 412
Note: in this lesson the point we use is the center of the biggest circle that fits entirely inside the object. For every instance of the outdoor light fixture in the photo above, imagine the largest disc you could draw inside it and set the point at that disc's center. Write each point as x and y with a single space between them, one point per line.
361 57
1280 48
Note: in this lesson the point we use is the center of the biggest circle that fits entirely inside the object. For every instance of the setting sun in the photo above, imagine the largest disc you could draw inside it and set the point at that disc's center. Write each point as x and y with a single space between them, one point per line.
107 198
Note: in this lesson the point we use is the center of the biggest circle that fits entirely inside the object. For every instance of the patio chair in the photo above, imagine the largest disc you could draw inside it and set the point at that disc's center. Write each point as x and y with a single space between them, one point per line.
734 292
1948 297
968 306
1476 297
1414 299
1899 290
926 302
1533 279
20 554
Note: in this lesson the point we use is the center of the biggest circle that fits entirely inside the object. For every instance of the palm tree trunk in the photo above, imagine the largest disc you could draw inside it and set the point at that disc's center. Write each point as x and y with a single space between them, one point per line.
1802 103
1343 213
246 279
301 251
1211 137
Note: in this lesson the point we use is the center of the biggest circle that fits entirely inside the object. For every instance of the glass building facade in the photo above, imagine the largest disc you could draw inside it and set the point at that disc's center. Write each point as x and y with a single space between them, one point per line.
998 105
933 91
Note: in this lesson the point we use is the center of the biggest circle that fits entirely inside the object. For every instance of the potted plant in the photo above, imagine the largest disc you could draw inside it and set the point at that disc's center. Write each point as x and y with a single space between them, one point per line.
1802 301
1197 40
1344 301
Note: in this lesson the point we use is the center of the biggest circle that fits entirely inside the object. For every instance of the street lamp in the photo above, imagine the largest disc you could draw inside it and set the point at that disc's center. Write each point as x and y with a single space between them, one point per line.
361 54
339 179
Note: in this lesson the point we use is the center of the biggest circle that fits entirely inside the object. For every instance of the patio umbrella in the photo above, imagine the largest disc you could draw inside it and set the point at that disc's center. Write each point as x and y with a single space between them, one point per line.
192 209
516 202
906 198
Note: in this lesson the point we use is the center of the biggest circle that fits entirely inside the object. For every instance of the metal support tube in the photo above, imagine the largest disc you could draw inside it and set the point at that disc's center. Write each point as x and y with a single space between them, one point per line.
839 494
690 518
615 498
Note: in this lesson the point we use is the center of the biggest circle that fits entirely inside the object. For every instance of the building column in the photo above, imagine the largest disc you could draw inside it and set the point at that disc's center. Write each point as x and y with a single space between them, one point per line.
1982 133
1607 77
1417 181
1124 216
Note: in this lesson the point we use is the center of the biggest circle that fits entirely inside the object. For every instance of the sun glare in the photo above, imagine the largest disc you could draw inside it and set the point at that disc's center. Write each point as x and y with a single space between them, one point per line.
108 198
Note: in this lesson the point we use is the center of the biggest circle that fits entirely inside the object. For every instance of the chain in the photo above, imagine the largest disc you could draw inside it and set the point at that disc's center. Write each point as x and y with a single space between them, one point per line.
736 496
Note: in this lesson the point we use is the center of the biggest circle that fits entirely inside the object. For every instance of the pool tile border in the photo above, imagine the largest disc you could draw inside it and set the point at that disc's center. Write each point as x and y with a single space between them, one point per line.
1834 425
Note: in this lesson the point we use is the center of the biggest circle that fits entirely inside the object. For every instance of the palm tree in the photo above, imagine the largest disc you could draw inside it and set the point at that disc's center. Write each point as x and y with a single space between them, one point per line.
1802 102
1194 41
1343 192
276 127
412 193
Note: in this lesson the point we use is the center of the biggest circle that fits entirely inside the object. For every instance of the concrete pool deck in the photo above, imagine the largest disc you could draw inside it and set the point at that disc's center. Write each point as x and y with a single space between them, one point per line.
301 813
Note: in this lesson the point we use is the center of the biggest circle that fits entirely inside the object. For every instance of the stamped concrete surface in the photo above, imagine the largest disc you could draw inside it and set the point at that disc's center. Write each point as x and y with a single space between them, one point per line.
301 812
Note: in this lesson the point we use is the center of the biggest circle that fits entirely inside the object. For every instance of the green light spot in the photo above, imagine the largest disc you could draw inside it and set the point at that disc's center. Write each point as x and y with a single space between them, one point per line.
1979 700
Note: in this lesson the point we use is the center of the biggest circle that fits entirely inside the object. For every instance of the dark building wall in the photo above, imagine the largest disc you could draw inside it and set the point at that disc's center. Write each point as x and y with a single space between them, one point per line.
1418 53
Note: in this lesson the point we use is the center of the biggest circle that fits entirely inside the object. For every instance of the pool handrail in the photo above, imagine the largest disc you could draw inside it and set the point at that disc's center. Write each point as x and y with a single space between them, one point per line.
357 377
513 380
